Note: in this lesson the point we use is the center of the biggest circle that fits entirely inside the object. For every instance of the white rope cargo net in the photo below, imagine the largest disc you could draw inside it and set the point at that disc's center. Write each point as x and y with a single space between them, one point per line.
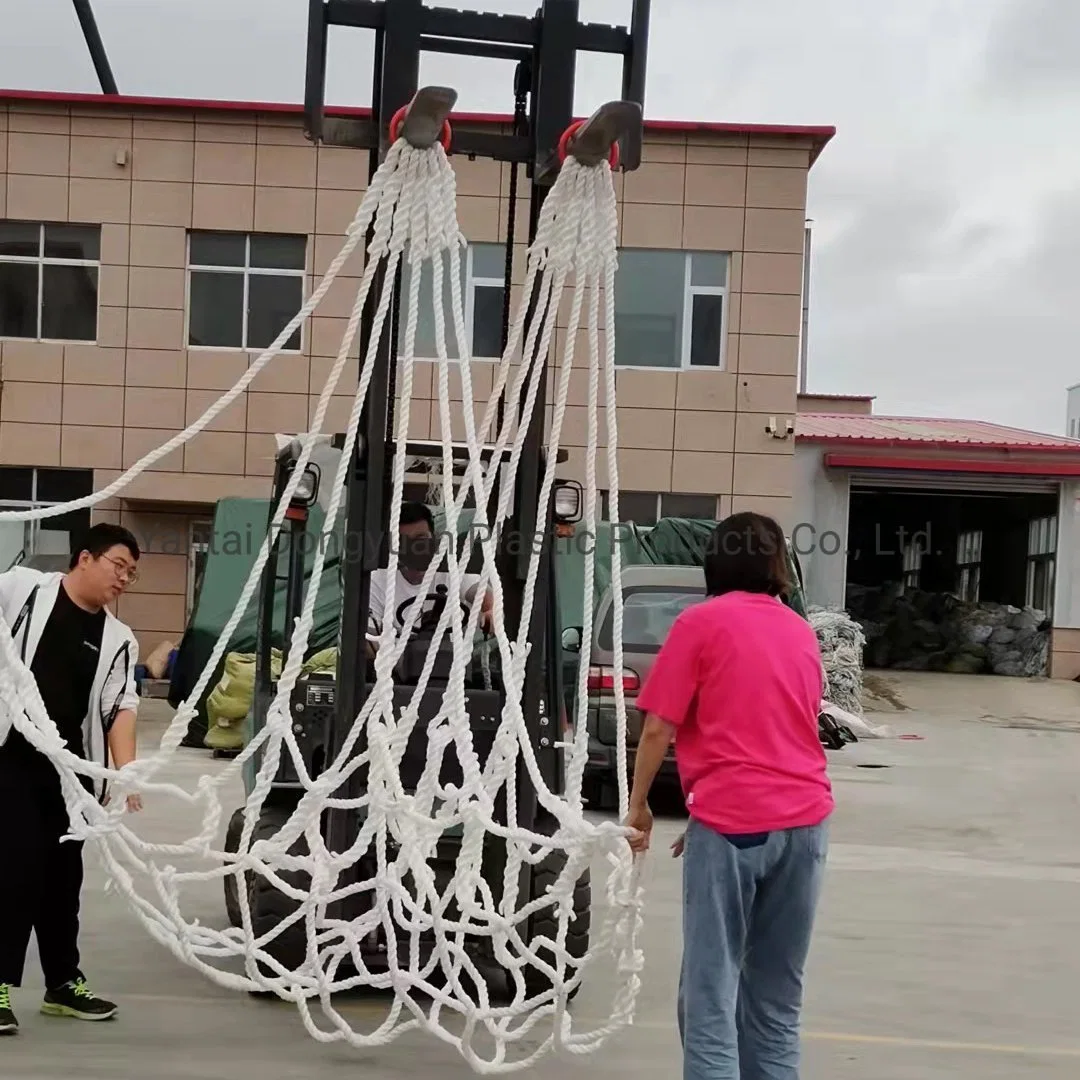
412 202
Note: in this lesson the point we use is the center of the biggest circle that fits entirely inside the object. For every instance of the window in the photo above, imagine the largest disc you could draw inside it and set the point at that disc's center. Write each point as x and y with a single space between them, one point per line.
1042 549
968 566
646 508
28 488
648 616
244 290
49 281
912 565
671 309
483 293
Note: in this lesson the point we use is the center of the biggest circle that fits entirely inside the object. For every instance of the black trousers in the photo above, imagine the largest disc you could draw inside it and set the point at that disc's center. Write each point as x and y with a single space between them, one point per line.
41 879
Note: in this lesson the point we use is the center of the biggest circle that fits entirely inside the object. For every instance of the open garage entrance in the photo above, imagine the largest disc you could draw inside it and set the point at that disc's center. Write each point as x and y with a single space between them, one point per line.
953 573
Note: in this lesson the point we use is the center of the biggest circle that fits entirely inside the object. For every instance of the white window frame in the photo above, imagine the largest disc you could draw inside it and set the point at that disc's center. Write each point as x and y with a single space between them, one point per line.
969 563
32 528
247 270
689 292
1042 548
41 261
472 282
911 566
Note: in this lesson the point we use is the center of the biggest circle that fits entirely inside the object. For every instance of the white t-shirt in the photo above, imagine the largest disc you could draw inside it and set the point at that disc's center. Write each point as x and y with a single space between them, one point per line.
406 593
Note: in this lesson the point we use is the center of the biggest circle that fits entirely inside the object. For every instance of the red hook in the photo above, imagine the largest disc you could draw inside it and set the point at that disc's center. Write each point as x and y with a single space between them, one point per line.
399 118
571 131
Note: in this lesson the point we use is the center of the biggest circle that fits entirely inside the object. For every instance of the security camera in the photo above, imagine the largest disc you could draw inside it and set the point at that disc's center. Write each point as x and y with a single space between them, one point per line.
778 431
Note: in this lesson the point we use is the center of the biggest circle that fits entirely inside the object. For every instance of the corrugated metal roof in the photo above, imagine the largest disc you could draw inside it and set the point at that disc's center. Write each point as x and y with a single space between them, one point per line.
923 431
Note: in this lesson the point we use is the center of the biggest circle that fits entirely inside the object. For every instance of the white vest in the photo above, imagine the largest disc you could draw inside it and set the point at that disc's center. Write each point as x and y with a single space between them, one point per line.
27 598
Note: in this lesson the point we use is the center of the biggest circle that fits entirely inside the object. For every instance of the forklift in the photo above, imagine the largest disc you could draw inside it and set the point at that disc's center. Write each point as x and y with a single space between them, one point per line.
323 707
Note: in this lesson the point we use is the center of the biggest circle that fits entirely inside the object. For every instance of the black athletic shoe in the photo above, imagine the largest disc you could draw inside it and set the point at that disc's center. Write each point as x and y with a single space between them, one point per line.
76 1002
8 1024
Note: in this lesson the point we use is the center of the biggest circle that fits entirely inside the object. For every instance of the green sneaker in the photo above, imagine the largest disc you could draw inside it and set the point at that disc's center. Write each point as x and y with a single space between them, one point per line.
75 1001
8 1024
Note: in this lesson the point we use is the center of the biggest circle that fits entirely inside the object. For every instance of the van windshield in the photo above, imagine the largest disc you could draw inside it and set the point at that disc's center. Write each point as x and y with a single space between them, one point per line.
648 614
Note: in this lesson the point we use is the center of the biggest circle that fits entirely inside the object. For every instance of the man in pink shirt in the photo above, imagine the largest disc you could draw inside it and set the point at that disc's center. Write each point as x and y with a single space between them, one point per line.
738 685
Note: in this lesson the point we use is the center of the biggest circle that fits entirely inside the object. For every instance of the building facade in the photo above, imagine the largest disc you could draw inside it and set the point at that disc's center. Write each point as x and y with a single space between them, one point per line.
150 249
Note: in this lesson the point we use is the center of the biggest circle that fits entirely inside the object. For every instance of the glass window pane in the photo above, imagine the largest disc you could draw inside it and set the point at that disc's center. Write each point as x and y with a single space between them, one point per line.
709 269
217 248
272 304
18 300
638 507
73 242
64 485
487 321
425 326
702 507
69 303
648 616
216 316
274 252
16 483
489 261
20 238
1051 546
649 300
707 331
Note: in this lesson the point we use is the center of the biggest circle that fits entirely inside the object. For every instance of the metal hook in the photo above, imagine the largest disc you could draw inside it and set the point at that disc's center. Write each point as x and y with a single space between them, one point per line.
425 120
597 138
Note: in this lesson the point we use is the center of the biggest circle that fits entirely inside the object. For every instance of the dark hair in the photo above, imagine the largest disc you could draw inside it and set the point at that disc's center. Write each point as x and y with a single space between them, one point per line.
412 513
747 553
100 538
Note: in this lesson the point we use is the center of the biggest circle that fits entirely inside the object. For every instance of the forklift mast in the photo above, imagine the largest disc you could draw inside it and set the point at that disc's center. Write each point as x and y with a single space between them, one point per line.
545 46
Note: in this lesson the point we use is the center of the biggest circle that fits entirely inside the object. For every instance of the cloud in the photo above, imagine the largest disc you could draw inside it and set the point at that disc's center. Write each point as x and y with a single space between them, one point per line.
1034 49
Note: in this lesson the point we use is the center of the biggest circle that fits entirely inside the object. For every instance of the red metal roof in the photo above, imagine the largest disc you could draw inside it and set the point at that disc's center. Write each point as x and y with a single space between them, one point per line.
818 134
923 431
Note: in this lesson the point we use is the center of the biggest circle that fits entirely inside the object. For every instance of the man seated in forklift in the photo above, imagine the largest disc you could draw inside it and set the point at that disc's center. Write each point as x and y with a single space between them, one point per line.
418 545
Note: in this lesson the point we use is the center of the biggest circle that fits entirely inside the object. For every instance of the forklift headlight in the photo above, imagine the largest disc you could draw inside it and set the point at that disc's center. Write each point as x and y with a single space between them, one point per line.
568 502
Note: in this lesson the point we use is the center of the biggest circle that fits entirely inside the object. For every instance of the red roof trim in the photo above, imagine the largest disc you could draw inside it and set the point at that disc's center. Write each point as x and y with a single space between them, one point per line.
818 133
954 465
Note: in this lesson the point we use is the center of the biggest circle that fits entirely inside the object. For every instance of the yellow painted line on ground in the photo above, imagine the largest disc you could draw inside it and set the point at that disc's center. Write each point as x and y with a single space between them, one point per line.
942 1044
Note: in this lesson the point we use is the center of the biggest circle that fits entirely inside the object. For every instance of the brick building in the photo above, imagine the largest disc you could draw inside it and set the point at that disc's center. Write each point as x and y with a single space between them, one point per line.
150 248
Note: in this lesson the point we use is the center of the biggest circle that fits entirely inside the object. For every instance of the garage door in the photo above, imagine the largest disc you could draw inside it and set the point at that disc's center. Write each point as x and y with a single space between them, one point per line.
876 479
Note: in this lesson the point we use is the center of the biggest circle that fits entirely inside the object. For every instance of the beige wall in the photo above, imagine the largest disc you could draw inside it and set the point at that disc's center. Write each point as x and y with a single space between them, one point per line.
836 403
148 176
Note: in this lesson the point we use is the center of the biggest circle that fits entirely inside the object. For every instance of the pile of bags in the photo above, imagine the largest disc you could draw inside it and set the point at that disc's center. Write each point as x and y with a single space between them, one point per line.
920 631
229 705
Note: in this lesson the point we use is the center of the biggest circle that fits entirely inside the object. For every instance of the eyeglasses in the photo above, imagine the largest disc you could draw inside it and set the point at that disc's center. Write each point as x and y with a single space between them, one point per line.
124 572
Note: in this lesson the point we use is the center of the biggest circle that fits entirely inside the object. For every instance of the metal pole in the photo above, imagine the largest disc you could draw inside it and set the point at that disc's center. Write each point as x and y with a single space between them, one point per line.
96 46
804 344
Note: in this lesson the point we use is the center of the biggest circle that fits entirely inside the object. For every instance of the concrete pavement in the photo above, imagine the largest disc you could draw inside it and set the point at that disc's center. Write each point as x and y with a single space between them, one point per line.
948 944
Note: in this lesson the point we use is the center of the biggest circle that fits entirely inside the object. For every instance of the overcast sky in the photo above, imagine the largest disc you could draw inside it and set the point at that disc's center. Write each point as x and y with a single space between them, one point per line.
946 276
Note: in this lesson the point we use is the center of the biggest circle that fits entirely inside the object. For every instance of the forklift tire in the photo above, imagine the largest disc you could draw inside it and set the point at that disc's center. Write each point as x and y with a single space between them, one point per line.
545 923
269 906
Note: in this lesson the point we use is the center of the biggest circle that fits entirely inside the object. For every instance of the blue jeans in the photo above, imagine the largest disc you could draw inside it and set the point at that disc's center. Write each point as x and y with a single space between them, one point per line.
748 915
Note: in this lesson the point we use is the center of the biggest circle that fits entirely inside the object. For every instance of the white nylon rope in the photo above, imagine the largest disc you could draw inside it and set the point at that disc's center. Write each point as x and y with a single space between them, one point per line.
412 202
